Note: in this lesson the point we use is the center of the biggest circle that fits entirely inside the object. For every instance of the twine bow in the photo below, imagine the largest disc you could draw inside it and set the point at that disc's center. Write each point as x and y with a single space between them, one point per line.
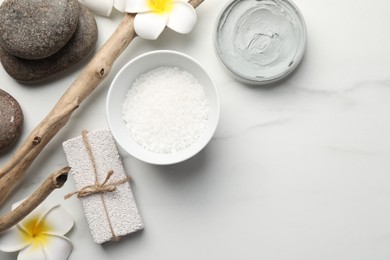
98 188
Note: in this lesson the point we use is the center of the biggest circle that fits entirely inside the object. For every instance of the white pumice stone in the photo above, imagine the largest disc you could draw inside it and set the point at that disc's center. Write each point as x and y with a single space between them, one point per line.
121 206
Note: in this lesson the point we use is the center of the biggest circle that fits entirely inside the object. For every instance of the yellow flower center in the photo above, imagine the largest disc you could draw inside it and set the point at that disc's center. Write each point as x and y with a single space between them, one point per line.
160 6
34 231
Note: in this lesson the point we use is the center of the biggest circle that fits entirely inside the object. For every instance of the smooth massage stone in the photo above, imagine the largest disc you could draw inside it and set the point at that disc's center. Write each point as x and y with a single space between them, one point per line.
80 46
11 120
36 29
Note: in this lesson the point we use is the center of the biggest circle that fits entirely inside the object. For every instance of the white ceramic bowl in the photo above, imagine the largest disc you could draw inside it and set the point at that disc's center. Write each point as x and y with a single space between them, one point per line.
122 83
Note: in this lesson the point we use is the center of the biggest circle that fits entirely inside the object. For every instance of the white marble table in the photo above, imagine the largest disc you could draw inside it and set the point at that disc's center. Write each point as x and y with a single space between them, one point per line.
299 171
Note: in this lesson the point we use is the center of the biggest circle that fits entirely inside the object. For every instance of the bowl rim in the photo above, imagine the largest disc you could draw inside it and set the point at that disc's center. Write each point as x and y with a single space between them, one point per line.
173 159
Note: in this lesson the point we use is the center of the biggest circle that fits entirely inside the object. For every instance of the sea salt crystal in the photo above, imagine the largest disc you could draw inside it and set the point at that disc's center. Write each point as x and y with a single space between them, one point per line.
166 110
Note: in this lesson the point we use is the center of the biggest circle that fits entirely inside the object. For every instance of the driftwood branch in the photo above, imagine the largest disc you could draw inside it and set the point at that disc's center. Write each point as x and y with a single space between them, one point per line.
54 181
90 77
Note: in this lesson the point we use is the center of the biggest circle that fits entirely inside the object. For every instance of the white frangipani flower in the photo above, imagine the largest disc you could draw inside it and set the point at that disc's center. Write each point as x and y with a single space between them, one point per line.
153 15
39 236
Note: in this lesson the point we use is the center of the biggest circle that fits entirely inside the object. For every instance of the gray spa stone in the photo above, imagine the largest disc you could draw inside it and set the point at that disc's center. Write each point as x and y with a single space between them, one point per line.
11 120
36 29
79 47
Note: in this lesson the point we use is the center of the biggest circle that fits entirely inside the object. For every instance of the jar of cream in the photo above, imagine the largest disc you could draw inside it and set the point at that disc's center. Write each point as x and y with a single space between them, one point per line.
260 41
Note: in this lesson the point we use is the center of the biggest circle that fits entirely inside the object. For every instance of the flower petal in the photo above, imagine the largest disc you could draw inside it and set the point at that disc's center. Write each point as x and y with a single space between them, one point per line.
32 252
137 6
59 220
57 248
182 17
34 216
150 25
12 240
99 7
120 5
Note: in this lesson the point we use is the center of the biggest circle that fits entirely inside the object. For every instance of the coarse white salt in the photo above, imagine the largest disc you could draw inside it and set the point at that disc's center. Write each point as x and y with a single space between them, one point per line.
166 110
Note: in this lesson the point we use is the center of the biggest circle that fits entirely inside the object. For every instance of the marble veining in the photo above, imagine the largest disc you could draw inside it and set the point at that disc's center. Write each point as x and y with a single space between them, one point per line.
298 170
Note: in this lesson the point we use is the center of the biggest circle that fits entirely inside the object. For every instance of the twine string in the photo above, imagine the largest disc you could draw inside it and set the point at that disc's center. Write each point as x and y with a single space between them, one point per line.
98 188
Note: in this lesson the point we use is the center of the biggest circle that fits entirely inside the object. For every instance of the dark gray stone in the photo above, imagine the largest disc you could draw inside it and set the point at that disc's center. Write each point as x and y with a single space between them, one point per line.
11 120
36 29
79 47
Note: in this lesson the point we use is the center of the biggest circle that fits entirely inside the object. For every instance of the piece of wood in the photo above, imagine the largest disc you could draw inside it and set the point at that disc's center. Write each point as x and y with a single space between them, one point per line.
54 181
90 77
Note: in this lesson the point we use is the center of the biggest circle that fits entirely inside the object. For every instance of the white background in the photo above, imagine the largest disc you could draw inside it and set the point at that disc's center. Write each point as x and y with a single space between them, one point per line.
300 170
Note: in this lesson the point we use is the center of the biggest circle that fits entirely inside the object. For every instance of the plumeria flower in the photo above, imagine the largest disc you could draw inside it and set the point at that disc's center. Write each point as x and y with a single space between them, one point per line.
153 15
39 236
